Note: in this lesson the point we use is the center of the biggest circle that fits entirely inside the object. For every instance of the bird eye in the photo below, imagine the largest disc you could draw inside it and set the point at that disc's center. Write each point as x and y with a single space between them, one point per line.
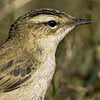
52 23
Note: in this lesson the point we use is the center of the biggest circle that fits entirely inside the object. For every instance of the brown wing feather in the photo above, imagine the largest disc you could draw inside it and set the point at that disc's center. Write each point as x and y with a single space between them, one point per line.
13 74
14 70
16 66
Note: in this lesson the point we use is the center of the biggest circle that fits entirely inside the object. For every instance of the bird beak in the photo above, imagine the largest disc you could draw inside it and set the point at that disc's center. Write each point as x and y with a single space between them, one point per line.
81 22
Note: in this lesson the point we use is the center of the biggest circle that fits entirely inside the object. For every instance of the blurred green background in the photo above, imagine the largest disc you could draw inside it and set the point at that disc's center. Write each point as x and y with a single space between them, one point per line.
77 74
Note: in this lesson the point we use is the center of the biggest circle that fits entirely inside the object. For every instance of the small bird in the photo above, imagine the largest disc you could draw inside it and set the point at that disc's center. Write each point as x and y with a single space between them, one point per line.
27 58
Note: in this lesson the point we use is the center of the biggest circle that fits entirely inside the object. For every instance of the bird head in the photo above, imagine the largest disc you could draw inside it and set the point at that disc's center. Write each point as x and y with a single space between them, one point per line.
45 24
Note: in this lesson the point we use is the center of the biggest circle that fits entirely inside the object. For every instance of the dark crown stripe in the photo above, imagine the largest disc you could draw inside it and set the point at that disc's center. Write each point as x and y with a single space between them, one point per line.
41 11
45 11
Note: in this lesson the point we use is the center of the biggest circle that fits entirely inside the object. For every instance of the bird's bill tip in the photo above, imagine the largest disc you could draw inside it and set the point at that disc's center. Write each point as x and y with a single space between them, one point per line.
82 21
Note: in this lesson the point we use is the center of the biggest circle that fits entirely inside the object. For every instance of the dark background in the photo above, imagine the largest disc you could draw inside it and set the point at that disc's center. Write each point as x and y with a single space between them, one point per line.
77 74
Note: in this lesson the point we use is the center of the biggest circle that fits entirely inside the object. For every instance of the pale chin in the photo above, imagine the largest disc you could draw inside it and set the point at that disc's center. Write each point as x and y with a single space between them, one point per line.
63 32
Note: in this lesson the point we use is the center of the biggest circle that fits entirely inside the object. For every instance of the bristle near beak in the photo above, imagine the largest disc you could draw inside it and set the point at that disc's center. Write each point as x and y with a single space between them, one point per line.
81 22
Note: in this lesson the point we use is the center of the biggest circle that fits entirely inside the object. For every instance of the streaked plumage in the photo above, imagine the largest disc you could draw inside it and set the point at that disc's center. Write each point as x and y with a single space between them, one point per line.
27 59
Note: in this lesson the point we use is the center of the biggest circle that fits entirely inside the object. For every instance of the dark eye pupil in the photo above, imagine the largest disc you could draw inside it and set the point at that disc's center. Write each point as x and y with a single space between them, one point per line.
52 23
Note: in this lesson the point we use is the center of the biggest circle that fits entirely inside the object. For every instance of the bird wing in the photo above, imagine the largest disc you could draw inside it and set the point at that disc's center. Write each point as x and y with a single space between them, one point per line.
14 70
